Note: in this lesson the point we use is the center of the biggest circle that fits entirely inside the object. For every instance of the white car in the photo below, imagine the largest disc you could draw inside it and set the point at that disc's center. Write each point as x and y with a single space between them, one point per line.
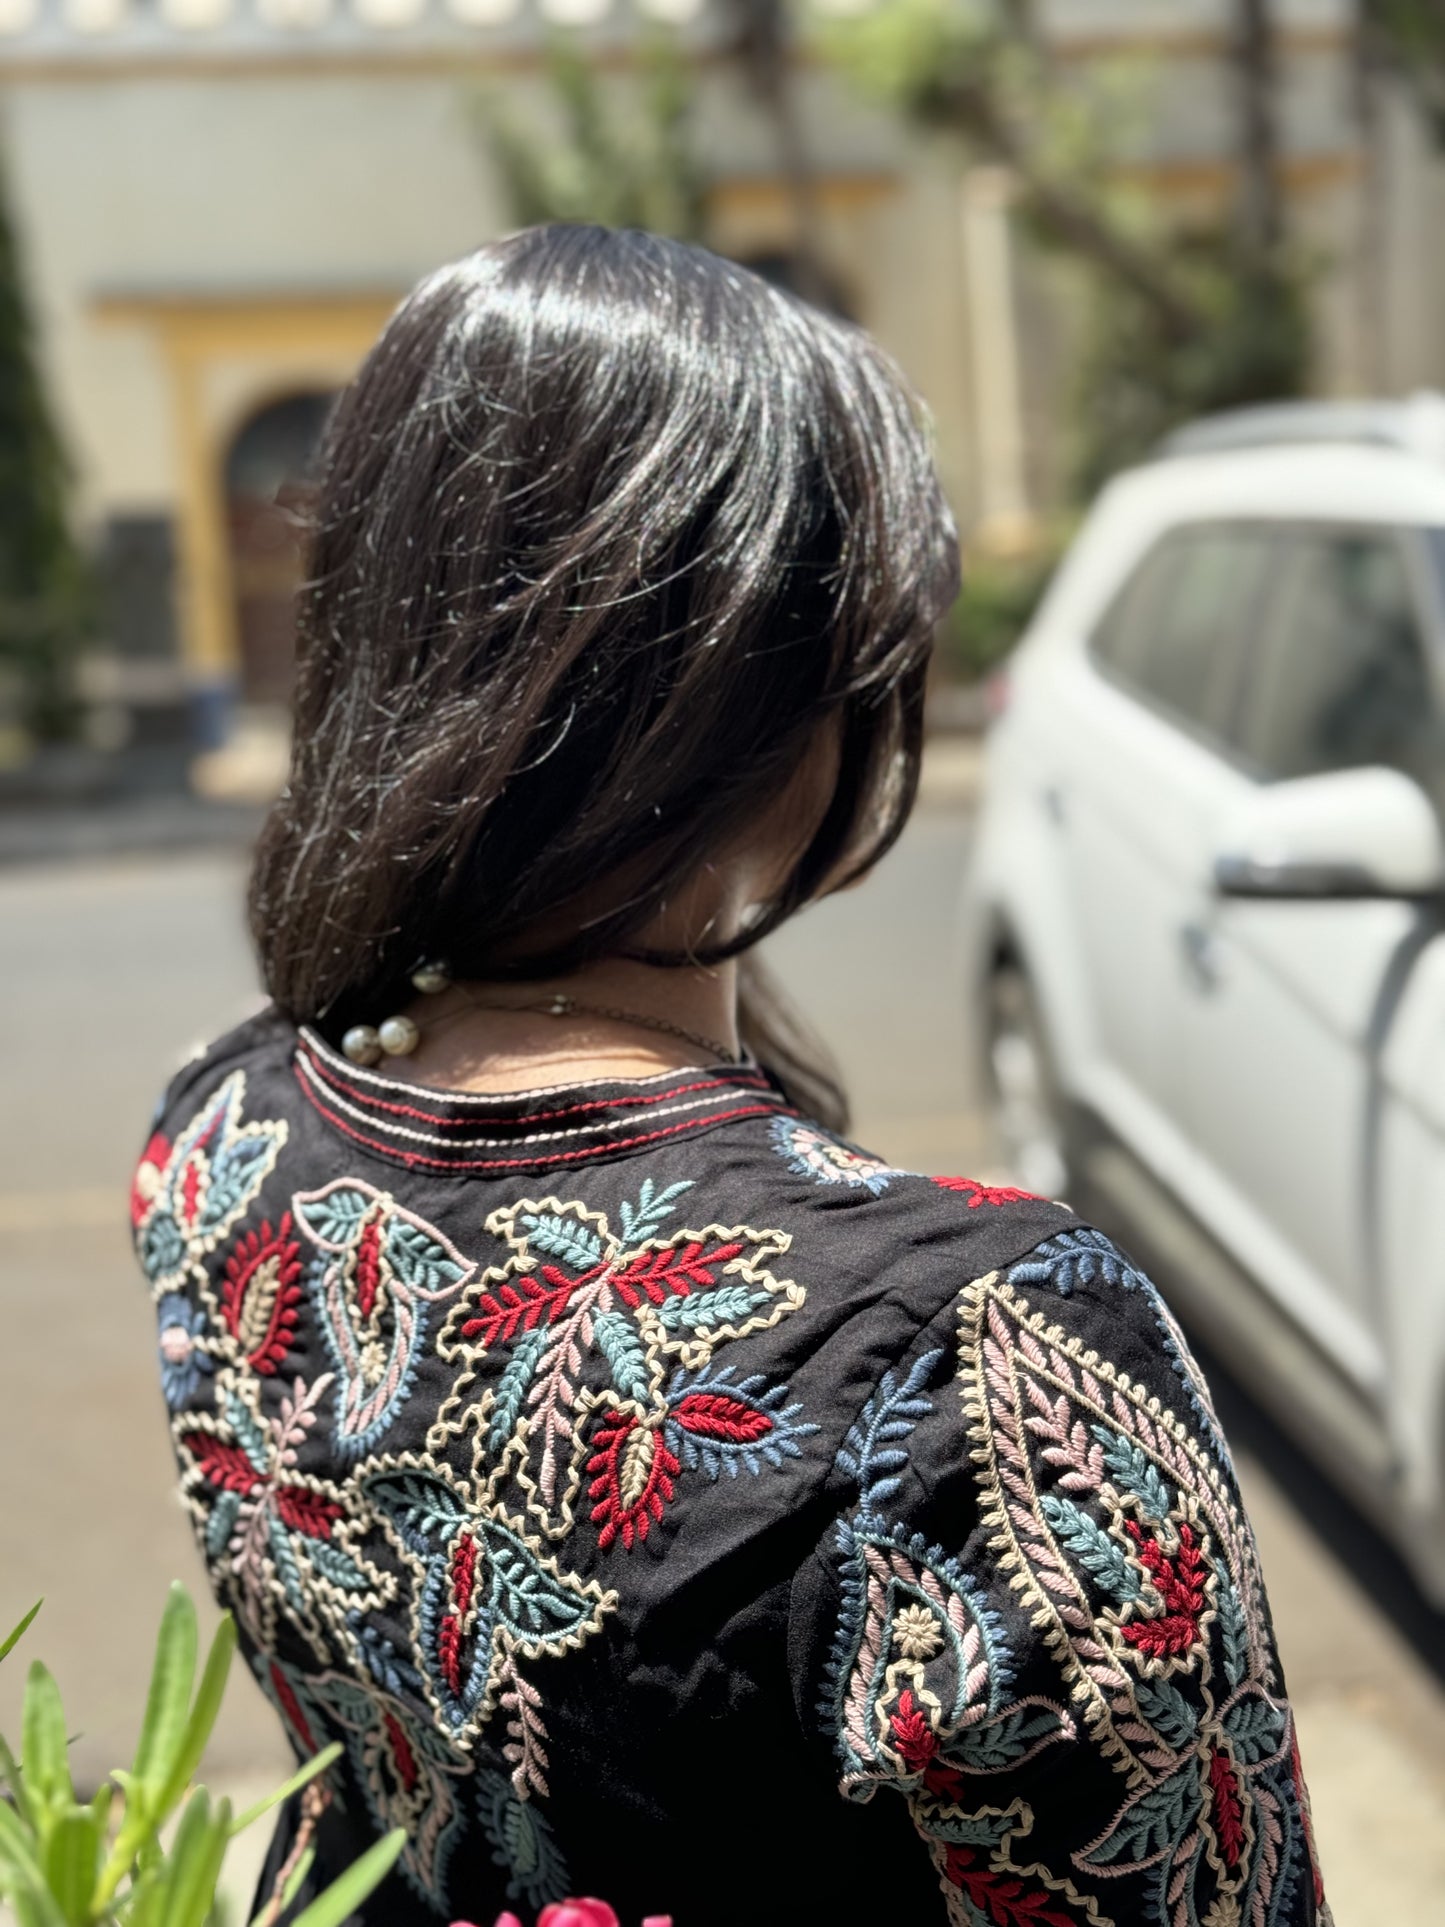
1206 916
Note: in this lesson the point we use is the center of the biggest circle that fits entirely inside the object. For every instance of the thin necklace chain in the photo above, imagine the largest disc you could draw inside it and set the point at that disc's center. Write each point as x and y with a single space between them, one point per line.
562 1005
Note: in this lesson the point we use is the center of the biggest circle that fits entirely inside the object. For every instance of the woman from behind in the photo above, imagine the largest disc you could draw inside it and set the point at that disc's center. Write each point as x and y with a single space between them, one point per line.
654 1493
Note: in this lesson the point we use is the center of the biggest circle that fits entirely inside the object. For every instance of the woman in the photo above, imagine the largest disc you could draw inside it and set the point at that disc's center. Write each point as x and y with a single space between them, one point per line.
655 1494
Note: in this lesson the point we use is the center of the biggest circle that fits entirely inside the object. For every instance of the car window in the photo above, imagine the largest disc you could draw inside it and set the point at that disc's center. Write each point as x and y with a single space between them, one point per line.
1180 629
1343 678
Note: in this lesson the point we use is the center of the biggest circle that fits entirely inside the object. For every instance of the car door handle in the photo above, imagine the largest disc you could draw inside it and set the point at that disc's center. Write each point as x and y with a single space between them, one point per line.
1201 955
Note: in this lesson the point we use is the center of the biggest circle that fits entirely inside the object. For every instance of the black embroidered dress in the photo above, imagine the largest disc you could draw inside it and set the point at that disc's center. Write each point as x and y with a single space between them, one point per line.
658 1498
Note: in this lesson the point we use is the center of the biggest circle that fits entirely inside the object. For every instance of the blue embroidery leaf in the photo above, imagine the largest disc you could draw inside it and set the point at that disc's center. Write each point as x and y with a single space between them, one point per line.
535 1605
424 1510
337 1566
1256 1729
1167 1711
570 1239
163 1249
704 1311
237 1173
643 1218
1090 1547
1130 1466
872 1453
623 1349
522 1843
994 1747
1151 1825
336 1216
1073 1258
418 1259
222 1523
512 1388
1232 1631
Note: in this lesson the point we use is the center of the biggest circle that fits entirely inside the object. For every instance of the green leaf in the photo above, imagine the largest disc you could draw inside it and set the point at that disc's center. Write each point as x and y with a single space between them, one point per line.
362 1877
15 1780
20 1874
71 1861
44 1755
318 1763
168 1702
17 1633
192 1883
145 1901
202 1717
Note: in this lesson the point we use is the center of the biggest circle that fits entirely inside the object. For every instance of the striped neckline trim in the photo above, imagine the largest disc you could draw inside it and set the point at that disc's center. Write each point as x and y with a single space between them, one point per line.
467 1131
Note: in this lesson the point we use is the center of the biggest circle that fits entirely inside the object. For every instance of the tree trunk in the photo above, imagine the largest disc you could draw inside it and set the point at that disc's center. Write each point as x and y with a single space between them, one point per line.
1259 200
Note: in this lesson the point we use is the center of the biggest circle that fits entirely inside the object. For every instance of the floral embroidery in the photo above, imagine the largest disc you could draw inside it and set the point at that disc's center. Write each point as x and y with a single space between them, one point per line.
919 1690
486 1595
978 1194
522 1842
1125 1543
180 1344
273 1535
185 1206
576 1297
377 1271
261 1295
827 1160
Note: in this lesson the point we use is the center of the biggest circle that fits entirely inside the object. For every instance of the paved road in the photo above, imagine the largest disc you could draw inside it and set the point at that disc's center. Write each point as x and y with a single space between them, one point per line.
110 971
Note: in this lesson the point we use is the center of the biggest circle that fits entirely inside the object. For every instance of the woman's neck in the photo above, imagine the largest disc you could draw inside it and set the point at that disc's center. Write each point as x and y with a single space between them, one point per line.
618 1018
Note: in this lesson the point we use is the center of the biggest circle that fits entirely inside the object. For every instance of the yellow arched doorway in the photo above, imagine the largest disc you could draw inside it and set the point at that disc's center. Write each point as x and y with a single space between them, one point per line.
268 475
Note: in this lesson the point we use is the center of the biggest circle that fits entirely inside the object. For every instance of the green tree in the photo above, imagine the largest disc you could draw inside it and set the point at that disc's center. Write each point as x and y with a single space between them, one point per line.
43 597
1183 319
625 160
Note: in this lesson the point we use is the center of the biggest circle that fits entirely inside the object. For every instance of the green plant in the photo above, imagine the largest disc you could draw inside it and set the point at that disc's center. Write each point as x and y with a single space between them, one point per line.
148 1849
625 159
998 598
45 594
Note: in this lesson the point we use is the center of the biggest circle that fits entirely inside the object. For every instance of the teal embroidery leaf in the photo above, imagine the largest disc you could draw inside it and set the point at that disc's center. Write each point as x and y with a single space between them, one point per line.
523 1844
237 1173
418 1260
624 1352
1130 1466
996 1746
872 1454
533 1604
336 1214
512 1388
1151 1825
249 1434
163 1249
1090 1547
643 1218
337 1566
290 1572
1256 1729
569 1239
969 1829
706 1310
1167 1711
222 1523
424 1510
1232 1631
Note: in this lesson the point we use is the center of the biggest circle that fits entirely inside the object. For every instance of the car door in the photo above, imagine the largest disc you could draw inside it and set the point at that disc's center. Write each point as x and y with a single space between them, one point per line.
1286 1002
1139 791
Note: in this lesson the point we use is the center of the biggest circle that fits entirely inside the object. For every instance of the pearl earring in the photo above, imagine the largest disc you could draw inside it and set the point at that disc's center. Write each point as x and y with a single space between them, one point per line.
367 1044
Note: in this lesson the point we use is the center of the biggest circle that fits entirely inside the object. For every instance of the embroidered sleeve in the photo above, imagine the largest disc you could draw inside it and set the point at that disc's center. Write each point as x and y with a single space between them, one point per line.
1048 1629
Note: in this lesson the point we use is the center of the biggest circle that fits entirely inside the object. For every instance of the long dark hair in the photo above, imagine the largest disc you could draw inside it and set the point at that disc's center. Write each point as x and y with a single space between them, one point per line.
607 530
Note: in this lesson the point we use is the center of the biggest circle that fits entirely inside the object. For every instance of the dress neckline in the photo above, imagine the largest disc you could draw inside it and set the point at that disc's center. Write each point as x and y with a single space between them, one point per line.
471 1132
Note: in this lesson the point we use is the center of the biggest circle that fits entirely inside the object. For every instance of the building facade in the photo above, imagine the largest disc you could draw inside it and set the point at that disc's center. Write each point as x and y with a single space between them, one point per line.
221 201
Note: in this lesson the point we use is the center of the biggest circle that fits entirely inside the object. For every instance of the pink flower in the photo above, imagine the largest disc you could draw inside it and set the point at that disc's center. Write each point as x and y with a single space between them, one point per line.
578 1913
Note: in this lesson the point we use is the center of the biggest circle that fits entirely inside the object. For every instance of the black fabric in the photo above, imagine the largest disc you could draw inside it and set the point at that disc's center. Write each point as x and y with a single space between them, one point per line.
630 1654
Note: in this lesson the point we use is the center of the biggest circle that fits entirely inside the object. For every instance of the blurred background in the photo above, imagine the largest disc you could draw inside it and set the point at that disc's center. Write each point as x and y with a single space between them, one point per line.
1077 224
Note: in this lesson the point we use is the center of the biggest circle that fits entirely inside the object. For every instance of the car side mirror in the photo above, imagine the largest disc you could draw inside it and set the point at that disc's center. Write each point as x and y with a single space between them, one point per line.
1355 833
